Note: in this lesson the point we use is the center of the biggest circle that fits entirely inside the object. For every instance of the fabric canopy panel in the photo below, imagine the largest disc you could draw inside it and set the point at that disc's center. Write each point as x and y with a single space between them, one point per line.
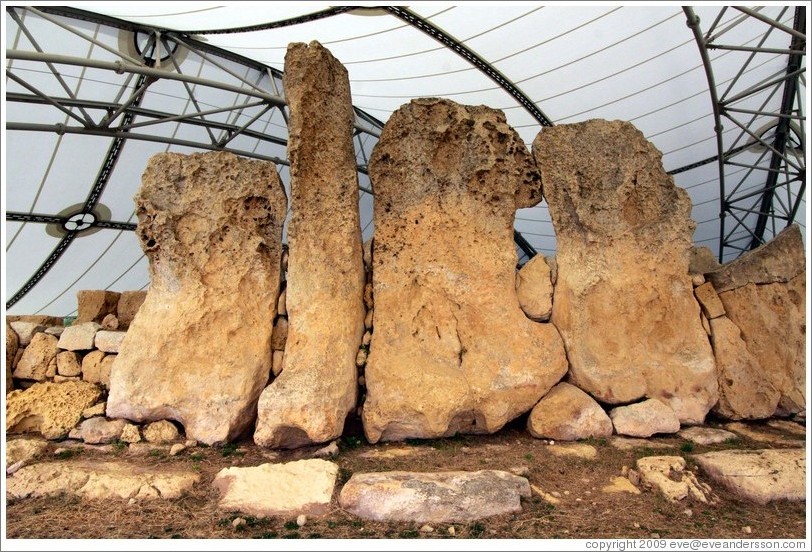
94 90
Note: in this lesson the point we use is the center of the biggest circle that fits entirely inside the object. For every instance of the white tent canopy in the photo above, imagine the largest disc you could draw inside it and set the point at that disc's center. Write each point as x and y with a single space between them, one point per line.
93 90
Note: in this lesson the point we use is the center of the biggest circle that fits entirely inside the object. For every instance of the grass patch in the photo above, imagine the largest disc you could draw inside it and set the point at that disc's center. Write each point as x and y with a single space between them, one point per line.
291 526
157 453
409 534
69 453
196 457
528 457
230 449
687 447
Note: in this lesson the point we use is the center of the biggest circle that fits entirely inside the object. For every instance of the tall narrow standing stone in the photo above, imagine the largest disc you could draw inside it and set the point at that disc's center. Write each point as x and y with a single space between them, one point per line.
199 350
452 351
310 399
623 297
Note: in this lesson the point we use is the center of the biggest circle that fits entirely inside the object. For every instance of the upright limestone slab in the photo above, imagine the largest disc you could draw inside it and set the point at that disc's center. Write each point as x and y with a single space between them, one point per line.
623 298
763 293
309 400
451 351
199 350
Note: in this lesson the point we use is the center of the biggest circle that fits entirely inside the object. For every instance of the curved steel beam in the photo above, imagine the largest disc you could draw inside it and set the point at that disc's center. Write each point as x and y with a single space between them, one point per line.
692 20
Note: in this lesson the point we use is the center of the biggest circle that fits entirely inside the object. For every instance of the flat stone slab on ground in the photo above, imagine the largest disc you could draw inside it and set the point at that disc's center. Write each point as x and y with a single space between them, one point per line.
788 426
706 435
620 484
751 432
455 496
758 475
99 480
578 450
290 489
628 443
668 475
23 450
395 452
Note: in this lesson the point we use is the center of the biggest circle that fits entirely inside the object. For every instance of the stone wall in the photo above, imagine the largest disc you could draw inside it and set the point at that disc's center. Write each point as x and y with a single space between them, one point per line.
428 330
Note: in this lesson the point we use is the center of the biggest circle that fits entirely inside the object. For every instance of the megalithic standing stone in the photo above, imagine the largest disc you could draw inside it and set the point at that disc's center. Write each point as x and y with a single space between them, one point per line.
623 299
310 399
198 351
451 351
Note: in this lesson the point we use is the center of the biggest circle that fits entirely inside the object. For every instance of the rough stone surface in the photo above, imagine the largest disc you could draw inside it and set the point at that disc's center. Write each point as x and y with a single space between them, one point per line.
161 431
93 368
567 414
130 434
38 361
310 399
95 304
758 475
12 344
110 322
79 337
620 485
100 480
777 261
746 391
67 364
644 419
388 453
99 430
709 300
764 435
707 435
772 320
290 489
109 341
198 352
668 475
624 301
452 351
702 260
577 450
535 289
55 330
630 443
25 331
128 305
23 450
278 362
51 409
95 410
446 497
280 334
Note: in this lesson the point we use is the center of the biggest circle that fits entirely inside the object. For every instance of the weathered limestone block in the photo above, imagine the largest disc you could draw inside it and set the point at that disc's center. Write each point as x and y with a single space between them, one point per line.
79 337
51 409
128 305
444 497
702 260
12 344
110 322
98 430
93 369
567 414
746 391
101 481
624 300
161 431
758 475
199 350
764 293
95 304
534 289
709 300
668 474
67 364
779 260
290 489
451 351
38 361
25 330
644 419
310 399
108 341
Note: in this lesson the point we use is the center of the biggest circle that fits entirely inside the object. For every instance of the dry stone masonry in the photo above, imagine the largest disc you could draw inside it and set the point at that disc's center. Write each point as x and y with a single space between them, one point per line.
309 400
198 351
451 350
623 297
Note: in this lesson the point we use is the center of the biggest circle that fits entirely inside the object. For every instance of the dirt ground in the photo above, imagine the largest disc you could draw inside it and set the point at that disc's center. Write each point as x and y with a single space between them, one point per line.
583 511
